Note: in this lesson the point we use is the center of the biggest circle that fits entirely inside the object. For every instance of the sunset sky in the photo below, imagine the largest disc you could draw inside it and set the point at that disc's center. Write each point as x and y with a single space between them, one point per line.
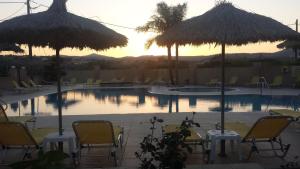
133 13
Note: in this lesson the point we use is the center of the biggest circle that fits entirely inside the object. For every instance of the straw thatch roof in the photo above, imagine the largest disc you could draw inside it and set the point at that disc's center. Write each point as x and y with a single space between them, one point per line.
10 48
226 24
289 44
58 28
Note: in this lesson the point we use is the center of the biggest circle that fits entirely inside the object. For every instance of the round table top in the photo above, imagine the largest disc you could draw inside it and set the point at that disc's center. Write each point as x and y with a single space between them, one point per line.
219 133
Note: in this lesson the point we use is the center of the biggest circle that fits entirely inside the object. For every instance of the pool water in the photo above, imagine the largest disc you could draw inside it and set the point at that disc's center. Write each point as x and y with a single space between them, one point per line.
128 101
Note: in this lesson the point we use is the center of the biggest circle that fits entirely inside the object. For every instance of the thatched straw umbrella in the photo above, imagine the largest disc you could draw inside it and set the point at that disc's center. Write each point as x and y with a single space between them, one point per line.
7 47
226 25
290 44
59 29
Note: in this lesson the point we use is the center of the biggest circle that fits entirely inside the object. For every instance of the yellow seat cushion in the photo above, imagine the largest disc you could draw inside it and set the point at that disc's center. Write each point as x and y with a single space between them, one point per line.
195 137
238 127
285 112
40 133
96 132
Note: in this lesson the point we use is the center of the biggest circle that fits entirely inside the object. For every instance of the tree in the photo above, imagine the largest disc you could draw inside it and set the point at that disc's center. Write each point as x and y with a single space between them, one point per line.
165 18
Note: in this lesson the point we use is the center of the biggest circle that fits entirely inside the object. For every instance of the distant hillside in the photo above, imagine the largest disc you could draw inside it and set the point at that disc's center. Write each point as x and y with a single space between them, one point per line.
91 57
281 55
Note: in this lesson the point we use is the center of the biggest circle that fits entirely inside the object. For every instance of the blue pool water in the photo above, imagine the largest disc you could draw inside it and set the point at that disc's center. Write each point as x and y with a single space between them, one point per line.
126 101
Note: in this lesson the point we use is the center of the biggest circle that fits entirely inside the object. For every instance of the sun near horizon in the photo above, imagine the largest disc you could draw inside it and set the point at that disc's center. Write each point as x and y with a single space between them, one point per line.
133 13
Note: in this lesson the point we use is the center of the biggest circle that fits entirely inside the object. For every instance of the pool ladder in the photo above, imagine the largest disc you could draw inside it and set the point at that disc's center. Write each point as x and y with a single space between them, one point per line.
263 83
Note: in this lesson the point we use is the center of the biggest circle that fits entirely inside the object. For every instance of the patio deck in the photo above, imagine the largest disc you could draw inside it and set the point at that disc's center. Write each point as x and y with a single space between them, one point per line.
137 126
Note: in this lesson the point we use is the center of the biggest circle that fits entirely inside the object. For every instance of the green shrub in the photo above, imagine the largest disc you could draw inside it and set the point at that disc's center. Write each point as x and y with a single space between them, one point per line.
168 152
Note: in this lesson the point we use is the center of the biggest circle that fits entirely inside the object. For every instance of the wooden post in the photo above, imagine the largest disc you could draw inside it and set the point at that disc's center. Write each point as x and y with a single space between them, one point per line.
296 50
32 106
29 45
59 95
176 65
297 25
59 98
170 64
222 152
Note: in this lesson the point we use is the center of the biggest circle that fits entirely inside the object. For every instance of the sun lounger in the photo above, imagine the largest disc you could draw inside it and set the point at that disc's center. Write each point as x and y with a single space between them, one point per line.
159 81
15 135
266 130
17 86
136 81
147 81
24 84
33 84
21 119
286 112
233 80
254 81
21 89
89 82
195 138
213 82
98 82
73 81
117 80
277 81
98 133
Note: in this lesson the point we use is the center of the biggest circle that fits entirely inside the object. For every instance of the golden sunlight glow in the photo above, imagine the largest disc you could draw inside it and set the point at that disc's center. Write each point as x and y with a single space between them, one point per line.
134 13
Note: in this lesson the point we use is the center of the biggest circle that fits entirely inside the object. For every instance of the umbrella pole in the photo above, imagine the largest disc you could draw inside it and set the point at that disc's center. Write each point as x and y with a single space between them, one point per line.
170 65
177 60
222 152
59 96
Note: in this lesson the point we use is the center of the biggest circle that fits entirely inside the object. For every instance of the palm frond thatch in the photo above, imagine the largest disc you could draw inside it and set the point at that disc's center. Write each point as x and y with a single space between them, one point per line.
226 24
290 44
58 28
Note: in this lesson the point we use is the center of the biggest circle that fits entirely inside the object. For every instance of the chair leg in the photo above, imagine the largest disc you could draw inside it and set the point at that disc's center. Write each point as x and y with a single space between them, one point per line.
113 153
253 149
115 159
3 154
76 156
27 153
283 148
205 152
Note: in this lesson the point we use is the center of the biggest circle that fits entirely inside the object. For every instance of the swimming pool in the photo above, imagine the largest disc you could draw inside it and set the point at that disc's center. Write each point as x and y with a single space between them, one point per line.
125 101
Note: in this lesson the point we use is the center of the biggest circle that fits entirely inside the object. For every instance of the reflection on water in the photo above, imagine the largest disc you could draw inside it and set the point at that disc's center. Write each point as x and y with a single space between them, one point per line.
124 101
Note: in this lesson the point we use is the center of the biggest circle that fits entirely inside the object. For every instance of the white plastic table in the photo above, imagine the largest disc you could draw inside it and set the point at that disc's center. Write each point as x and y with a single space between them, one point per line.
54 138
216 135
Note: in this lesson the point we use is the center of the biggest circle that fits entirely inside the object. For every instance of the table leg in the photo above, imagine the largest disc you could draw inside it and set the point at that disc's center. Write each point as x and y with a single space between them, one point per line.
3 155
239 149
52 146
71 146
232 145
45 145
212 149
